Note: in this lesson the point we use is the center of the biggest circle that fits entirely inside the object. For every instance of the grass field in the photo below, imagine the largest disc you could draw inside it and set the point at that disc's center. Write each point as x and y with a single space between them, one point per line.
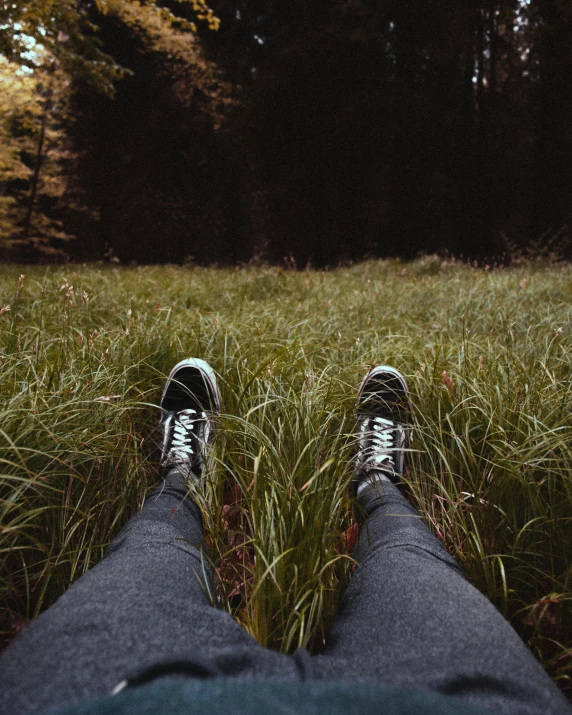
487 353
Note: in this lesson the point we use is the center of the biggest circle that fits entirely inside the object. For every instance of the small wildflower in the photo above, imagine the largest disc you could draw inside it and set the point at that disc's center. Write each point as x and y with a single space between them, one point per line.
4 309
449 383
523 283
558 331
349 537
20 285
85 297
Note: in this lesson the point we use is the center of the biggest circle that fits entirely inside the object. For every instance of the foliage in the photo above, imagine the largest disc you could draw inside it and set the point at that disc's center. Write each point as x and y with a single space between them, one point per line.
55 49
66 29
160 153
18 97
362 128
37 160
84 355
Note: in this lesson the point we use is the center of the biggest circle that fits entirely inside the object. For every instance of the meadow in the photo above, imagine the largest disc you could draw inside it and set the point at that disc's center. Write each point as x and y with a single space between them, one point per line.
84 354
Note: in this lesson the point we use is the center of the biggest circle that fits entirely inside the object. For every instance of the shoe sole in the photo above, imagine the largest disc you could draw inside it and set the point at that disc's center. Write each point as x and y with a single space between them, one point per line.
208 375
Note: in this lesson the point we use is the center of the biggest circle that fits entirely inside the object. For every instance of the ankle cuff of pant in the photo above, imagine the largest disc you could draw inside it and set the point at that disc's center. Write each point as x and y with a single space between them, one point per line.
377 494
374 480
174 474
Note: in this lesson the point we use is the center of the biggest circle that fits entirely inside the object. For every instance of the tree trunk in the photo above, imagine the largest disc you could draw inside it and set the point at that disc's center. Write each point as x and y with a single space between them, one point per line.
38 165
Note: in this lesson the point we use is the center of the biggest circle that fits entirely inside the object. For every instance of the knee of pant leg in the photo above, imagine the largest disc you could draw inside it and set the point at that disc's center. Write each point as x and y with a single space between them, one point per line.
404 553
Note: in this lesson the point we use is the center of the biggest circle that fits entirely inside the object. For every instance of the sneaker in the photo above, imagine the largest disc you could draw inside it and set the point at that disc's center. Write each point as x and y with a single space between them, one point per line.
189 403
382 409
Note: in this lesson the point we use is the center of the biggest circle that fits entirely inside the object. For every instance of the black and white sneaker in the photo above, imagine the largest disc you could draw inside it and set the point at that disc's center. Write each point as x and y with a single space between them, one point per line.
189 404
382 431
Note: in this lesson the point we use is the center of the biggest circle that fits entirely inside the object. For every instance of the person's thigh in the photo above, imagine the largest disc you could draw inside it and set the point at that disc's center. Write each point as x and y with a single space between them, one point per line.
409 618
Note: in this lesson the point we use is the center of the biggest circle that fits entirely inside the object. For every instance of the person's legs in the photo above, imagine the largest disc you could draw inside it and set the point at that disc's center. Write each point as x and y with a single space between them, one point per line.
409 618
148 603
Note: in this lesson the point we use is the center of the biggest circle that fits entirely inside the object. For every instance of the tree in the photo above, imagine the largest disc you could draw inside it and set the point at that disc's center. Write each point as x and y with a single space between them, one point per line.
36 171
18 98
388 127
57 51
162 166
67 31
552 61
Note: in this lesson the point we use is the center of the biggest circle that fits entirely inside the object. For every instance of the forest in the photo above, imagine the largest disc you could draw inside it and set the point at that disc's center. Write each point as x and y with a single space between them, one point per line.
304 133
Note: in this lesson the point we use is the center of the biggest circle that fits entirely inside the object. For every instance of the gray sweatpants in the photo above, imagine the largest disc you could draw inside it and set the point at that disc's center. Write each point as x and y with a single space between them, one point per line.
408 618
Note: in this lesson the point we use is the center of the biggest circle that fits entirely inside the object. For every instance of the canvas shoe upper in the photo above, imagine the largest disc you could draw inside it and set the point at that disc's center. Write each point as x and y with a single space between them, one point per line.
189 404
382 431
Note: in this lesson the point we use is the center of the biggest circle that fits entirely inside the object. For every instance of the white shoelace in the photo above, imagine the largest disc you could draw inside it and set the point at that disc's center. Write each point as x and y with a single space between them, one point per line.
182 448
381 432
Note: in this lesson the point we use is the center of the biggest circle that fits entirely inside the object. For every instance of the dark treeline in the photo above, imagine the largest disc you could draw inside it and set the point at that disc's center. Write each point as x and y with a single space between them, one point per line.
328 131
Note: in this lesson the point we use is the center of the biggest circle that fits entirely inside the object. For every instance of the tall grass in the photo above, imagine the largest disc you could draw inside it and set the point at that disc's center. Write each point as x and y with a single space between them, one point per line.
84 353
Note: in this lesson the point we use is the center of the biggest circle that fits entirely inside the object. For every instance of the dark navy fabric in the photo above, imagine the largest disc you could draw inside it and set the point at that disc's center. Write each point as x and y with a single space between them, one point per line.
221 696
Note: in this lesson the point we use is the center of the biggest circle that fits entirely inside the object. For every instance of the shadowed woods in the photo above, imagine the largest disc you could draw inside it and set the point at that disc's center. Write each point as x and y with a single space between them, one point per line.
326 132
